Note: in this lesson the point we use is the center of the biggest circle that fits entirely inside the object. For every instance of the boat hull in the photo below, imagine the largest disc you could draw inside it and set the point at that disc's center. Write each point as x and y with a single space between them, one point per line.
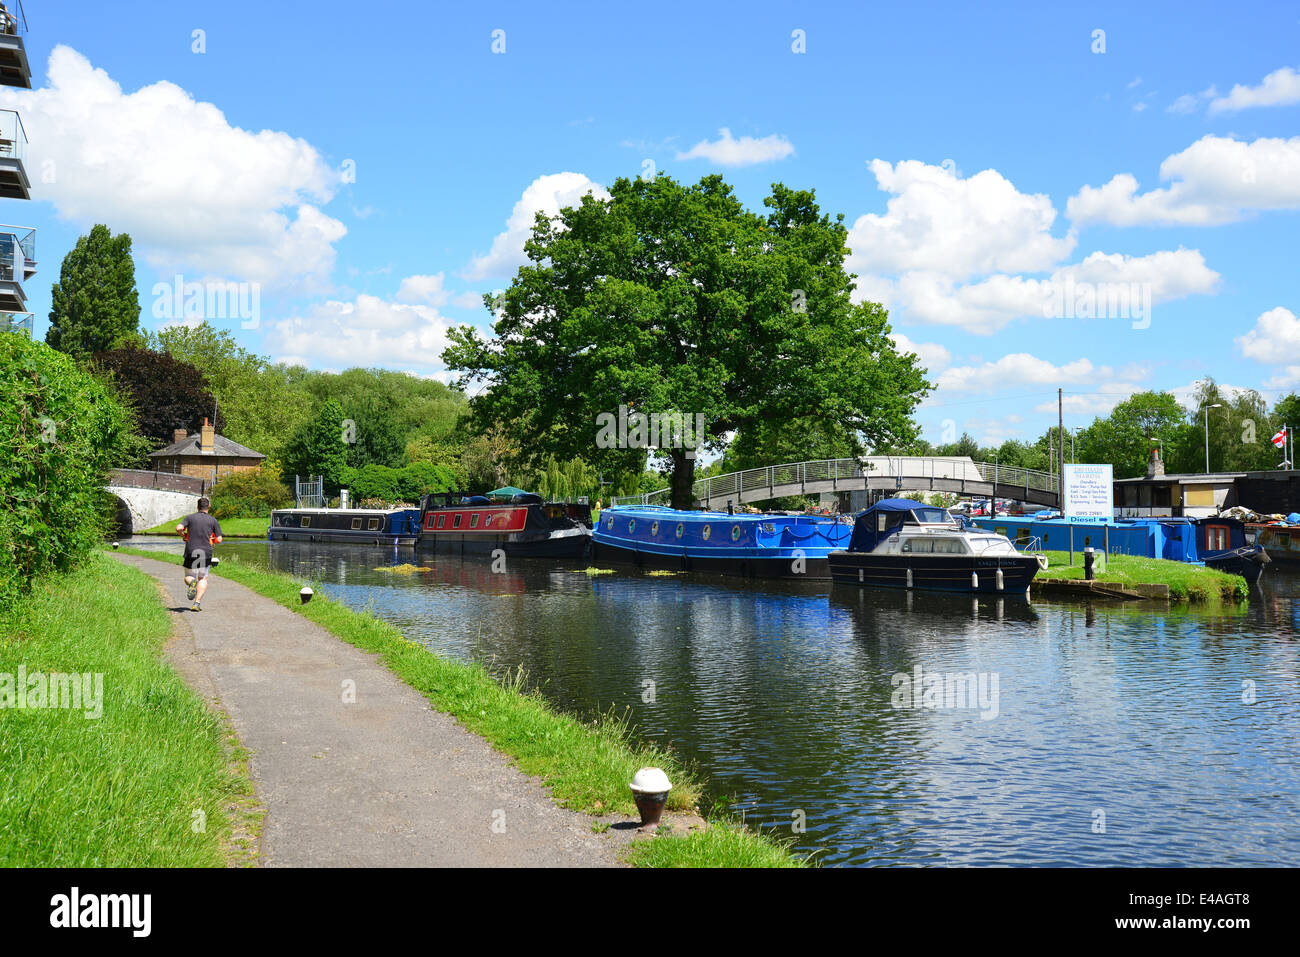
729 562
1248 562
934 572
514 546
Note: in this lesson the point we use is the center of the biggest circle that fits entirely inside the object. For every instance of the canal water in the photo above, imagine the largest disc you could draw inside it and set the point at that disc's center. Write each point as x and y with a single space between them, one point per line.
1086 734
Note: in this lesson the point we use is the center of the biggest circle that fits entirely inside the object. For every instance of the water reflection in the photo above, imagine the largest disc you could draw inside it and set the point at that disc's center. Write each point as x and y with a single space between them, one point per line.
784 693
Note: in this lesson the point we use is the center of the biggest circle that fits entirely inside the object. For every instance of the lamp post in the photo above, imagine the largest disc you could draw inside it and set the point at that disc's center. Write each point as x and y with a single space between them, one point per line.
1217 405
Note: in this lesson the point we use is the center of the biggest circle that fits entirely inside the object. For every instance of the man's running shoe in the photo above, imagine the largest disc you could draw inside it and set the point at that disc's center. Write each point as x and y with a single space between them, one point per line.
192 590
195 607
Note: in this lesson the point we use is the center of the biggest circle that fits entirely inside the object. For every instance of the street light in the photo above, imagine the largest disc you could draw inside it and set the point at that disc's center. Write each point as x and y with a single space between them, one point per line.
1217 405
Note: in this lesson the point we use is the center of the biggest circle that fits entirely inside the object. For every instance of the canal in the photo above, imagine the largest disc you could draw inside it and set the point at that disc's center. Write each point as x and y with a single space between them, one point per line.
1061 733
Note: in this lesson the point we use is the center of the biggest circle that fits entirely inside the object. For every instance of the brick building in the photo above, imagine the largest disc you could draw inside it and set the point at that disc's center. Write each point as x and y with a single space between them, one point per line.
206 456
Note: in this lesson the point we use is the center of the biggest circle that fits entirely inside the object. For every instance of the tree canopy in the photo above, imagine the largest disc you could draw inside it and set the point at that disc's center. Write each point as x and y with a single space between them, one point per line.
675 299
95 306
164 392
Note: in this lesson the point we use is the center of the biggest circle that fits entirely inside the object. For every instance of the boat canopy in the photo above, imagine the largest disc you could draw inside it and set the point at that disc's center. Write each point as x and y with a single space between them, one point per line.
880 521
506 494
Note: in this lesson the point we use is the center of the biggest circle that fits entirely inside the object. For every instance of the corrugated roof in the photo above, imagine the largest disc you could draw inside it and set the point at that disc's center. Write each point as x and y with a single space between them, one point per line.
220 446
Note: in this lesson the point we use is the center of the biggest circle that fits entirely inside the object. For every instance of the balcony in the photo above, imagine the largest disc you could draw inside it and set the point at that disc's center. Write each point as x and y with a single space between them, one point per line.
14 68
18 322
14 183
17 265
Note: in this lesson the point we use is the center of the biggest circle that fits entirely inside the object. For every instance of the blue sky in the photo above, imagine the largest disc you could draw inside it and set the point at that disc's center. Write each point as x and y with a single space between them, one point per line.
982 158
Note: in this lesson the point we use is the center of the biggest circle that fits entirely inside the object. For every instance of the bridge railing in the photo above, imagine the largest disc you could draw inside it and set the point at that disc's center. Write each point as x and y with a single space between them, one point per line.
896 470
163 481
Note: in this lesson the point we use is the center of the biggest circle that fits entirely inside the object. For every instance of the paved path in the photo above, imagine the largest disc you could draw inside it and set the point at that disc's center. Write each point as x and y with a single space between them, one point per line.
386 781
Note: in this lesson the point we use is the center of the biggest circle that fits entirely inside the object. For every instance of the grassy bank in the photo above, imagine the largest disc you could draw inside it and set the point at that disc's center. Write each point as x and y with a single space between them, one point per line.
120 790
1191 583
586 764
230 528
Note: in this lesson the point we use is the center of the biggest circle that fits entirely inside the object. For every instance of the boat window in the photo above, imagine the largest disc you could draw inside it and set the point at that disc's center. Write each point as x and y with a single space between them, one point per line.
487 521
631 525
735 533
708 530
1022 537
681 529
931 515
1000 530
372 524
306 520
442 520
610 523
356 523
473 520
455 522
950 546
920 546
1216 538
654 528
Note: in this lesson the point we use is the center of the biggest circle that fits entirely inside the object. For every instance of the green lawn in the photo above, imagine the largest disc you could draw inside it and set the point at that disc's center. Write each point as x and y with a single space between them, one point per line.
1186 582
230 528
123 789
586 764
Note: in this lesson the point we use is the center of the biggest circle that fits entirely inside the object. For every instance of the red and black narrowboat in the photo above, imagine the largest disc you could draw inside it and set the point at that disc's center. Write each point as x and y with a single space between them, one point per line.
524 526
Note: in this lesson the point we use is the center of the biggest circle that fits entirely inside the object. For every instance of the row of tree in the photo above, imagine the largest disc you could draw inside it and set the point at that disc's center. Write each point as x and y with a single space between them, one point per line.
1236 429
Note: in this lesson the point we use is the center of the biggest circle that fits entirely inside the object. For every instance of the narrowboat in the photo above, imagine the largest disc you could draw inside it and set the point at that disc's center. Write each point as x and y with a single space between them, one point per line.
1220 542
363 526
901 543
753 545
523 526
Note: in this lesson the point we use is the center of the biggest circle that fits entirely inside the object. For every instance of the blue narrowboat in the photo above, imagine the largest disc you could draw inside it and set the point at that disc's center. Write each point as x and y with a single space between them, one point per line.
362 526
748 545
1218 542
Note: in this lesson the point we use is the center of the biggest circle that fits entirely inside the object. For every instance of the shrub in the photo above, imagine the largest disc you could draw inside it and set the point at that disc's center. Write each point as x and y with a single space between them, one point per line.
391 485
61 429
251 493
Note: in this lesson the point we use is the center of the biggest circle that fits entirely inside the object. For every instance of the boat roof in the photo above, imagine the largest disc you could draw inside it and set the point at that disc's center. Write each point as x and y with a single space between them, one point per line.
348 511
899 505
664 513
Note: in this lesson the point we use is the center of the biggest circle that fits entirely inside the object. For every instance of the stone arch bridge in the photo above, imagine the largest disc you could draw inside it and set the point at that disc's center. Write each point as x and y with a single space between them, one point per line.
146 499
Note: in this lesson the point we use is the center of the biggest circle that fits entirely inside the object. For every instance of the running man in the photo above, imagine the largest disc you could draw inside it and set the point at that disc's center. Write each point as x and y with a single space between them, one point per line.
201 531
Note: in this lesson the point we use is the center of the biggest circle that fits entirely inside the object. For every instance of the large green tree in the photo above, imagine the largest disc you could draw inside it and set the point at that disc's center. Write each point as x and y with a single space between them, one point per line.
165 393
95 305
675 299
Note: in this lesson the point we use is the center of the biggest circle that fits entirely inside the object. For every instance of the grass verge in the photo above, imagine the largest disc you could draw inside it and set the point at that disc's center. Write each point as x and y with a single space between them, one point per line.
1190 583
124 789
586 764
230 528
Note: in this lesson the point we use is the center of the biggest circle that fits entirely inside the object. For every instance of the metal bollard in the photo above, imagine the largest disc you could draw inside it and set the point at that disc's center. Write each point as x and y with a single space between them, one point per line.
1088 559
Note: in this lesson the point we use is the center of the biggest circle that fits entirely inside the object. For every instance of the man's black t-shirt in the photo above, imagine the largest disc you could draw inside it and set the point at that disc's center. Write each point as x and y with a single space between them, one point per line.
202 530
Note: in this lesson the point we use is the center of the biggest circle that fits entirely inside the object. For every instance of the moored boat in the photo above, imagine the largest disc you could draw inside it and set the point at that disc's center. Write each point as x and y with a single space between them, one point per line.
750 545
1281 543
363 526
523 526
901 543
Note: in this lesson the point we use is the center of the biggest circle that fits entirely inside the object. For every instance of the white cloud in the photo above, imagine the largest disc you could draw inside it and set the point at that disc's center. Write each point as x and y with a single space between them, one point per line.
197 194
367 331
986 306
933 356
1017 369
746 151
955 227
467 300
423 289
1215 180
547 194
1279 88
1275 339
1188 102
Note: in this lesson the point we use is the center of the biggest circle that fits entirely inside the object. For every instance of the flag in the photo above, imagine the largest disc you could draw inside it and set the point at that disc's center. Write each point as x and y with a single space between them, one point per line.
1279 440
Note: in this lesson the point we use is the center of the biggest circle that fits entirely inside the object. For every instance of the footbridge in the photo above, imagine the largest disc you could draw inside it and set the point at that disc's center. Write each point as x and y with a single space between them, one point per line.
146 499
876 473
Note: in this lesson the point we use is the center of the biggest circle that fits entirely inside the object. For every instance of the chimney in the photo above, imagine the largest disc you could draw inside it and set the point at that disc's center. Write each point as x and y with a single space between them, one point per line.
206 435
178 435
1155 467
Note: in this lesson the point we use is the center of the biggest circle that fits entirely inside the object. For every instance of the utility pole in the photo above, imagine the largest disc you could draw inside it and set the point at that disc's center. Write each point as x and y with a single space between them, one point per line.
1060 432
